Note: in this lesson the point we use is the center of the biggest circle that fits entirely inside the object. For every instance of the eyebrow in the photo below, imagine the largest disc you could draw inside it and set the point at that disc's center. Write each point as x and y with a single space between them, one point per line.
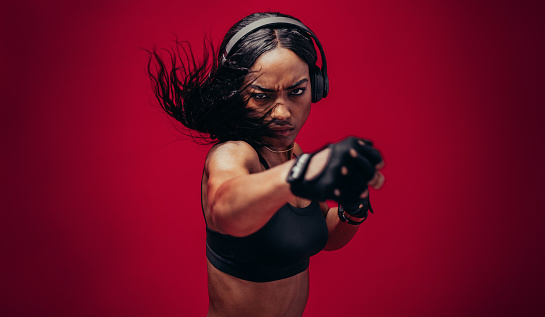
304 80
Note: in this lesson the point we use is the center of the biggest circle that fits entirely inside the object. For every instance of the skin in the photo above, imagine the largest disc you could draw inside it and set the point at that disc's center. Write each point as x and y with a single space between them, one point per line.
239 196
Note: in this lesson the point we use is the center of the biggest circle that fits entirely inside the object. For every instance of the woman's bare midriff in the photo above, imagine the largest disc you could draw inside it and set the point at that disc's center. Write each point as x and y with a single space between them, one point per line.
231 296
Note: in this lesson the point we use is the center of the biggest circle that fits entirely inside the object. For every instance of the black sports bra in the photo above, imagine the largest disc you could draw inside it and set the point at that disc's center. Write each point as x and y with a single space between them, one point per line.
278 250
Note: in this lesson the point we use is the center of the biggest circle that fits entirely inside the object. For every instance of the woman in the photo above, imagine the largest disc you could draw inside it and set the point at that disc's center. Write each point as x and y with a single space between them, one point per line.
263 198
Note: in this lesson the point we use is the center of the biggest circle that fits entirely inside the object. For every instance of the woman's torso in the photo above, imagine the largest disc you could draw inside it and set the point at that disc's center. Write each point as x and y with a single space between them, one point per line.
232 296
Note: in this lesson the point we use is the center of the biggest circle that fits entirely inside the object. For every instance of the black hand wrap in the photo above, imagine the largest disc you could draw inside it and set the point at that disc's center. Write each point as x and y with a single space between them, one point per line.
350 166
360 211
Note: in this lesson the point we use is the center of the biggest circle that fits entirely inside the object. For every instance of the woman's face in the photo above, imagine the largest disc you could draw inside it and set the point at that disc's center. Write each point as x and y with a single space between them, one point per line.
281 85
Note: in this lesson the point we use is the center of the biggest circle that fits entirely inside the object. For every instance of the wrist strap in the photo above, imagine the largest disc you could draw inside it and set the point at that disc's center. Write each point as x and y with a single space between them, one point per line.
343 218
298 170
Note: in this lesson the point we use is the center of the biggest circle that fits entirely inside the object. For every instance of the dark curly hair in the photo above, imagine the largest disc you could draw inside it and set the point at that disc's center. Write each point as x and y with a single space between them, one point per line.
208 97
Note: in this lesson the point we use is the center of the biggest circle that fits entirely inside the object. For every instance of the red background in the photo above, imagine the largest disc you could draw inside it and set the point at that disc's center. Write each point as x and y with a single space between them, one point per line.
100 194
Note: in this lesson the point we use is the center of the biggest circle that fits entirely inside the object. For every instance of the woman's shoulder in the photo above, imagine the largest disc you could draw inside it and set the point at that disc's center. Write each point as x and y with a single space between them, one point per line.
231 147
232 153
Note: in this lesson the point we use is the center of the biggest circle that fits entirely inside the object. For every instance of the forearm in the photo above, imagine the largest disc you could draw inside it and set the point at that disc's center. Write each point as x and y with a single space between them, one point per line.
244 204
340 233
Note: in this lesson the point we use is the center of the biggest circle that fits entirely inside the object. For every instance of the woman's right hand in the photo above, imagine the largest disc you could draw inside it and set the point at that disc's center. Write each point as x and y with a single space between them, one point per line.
342 172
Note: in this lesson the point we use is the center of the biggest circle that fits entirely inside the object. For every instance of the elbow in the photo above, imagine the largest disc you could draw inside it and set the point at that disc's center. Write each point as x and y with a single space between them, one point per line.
219 215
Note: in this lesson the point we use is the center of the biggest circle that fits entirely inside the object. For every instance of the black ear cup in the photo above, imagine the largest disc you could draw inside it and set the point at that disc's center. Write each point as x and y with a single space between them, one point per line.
317 84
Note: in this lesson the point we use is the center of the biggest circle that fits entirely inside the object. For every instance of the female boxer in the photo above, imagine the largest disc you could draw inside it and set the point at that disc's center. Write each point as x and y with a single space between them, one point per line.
263 198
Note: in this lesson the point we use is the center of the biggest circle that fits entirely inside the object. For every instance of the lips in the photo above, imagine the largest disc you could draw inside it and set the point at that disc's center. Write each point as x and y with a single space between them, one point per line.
282 131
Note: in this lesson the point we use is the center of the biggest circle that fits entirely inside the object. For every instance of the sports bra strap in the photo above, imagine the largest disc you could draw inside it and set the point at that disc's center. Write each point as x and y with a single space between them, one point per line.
262 160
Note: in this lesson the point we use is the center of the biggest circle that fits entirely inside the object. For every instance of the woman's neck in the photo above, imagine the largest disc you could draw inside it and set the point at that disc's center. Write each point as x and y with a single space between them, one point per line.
275 156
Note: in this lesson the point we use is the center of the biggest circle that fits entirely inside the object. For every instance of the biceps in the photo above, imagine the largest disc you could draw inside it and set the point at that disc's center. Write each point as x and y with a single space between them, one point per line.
220 178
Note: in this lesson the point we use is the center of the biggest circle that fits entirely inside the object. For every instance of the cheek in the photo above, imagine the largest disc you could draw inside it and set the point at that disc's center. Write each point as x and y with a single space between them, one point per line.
304 111
304 103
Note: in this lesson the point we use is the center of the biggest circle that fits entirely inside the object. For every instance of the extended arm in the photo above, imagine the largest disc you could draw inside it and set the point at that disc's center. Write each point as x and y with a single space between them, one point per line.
241 200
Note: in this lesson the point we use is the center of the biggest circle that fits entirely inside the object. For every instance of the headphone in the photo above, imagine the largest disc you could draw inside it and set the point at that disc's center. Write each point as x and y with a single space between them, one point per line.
318 79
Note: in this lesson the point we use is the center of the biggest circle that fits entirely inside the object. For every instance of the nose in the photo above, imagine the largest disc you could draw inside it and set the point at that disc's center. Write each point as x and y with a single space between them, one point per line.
280 111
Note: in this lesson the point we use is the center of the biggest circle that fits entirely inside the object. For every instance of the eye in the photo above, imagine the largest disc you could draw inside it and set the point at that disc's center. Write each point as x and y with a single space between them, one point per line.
298 91
259 96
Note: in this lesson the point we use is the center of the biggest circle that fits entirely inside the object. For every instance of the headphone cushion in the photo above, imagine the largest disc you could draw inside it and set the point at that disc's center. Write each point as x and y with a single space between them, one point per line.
317 84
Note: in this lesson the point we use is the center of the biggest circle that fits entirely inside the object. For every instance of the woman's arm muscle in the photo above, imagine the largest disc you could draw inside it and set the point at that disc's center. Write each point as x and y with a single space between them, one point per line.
241 198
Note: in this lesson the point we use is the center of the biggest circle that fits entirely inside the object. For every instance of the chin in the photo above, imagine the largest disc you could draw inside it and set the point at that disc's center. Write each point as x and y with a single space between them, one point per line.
280 140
